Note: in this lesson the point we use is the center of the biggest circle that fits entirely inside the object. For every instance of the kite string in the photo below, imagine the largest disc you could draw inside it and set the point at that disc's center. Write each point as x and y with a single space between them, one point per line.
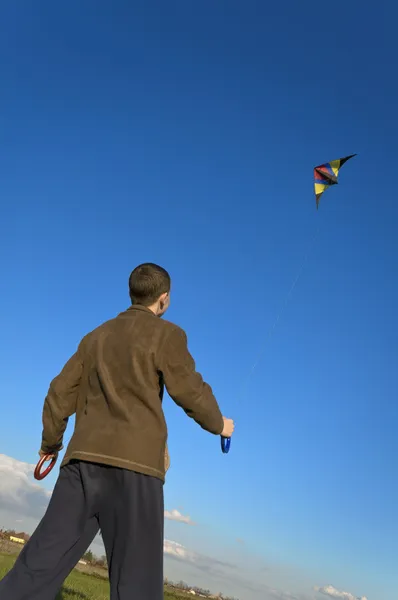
279 314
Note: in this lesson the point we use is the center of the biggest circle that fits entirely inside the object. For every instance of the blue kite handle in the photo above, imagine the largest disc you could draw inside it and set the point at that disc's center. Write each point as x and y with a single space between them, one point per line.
225 444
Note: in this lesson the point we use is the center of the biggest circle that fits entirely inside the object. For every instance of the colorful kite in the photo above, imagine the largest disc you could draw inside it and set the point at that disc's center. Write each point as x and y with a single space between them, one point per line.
326 175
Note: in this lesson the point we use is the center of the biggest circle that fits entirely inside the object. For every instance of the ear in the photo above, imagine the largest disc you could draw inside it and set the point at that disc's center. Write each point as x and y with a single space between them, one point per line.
163 300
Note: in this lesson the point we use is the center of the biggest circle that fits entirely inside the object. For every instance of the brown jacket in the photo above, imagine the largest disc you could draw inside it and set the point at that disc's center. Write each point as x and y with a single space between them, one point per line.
114 383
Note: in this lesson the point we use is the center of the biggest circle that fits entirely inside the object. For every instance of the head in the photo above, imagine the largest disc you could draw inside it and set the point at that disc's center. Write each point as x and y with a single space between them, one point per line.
149 286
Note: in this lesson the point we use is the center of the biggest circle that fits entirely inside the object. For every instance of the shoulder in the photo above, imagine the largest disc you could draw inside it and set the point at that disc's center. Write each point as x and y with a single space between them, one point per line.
92 335
173 338
172 329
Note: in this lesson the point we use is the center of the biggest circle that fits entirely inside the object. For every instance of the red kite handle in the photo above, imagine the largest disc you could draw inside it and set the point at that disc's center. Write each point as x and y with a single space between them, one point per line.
38 474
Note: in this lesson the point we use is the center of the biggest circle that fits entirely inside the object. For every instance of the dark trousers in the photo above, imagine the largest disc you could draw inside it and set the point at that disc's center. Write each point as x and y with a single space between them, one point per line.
128 508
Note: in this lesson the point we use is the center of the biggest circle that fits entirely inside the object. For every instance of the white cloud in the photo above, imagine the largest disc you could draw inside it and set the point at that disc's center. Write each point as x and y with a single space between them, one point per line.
332 592
200 561
19 494
178 551
175 515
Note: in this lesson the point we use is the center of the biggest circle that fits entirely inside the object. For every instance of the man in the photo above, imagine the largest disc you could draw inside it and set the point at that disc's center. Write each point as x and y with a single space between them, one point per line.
113 471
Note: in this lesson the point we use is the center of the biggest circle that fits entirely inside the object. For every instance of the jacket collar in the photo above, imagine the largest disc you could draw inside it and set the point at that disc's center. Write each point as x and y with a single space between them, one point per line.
135 307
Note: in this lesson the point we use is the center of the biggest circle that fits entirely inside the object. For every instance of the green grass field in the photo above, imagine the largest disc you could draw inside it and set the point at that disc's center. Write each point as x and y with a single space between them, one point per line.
80 586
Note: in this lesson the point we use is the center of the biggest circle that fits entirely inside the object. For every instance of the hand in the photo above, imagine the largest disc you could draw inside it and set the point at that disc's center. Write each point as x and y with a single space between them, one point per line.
54 453
50 454
229 428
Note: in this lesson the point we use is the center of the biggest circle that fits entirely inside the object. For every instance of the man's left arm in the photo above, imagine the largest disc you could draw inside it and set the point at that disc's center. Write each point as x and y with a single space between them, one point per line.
60 404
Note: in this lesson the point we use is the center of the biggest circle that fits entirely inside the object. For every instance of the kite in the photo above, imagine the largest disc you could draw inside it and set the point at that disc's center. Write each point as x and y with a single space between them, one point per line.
326 175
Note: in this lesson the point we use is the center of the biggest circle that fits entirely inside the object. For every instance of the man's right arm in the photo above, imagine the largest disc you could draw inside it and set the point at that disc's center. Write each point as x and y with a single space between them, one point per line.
186 386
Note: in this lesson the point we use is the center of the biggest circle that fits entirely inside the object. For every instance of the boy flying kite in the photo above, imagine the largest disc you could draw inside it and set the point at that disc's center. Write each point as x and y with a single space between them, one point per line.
113 472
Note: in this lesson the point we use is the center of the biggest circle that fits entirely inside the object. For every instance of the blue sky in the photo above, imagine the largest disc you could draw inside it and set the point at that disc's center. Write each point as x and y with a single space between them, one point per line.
186 133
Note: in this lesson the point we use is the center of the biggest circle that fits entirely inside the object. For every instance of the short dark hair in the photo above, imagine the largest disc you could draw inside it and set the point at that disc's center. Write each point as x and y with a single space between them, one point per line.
147 283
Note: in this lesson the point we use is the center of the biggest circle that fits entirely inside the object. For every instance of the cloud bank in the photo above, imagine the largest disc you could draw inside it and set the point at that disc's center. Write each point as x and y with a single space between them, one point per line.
332 592
19 494
200 561
175 515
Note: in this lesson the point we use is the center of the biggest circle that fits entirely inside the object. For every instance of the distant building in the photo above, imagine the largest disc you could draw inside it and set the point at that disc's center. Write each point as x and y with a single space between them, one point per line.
23 536
18 540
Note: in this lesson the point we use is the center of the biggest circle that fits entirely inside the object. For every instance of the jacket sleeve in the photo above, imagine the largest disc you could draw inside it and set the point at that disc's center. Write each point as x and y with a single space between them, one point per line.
186 386
60 404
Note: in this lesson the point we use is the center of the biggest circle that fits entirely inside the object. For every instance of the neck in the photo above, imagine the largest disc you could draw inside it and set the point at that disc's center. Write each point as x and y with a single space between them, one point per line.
154 308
